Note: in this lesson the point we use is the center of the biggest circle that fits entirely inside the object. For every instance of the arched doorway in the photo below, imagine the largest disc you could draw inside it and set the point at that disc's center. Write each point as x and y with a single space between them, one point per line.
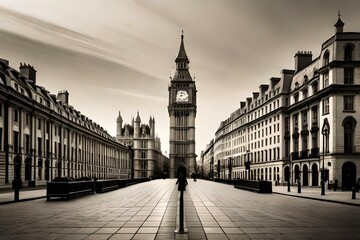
287 173
348 175
305 177
314 175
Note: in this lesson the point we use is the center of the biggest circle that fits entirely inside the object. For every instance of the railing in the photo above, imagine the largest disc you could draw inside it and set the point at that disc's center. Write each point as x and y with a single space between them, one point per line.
69 189
295 155
102 186
304 154
314 153
257 186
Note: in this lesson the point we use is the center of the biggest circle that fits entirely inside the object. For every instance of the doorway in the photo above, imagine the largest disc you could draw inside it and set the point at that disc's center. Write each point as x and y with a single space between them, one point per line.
348 175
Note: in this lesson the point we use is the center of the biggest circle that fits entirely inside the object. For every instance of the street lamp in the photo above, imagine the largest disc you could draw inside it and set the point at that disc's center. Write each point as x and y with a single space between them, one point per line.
247 164
289 176
325 132
230 167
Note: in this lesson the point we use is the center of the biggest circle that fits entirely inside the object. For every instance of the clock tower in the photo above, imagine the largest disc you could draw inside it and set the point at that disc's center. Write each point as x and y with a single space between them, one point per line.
182 113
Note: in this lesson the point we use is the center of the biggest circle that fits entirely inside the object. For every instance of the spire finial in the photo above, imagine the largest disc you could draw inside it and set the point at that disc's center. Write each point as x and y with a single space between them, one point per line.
339 13
182 34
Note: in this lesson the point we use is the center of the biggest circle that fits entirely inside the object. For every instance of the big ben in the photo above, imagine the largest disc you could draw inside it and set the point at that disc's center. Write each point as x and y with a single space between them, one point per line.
182 113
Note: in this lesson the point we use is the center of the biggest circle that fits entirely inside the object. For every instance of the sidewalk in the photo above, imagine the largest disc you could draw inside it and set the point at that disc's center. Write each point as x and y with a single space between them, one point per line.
315 194
26 194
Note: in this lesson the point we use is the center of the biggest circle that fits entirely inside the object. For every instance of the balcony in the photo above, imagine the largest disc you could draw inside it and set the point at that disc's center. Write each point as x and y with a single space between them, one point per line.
314 153
295 155
304 154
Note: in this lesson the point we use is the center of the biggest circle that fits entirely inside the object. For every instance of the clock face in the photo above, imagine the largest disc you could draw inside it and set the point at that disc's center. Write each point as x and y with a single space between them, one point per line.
182 96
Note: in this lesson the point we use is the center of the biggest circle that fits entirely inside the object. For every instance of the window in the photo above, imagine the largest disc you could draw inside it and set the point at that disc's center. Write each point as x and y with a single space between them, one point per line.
305 93
326 58
1 139
326 109
348 103
348 56
27 143
27 119
39 123
348 76
315 87
314 114
349 127
296 98
326 79
0 110
16 142
16 116
295 120
143 154
39 147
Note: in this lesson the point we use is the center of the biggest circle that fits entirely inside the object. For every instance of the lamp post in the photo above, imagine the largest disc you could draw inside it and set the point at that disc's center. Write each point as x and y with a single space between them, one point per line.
230 167
289 177
247 166
325 132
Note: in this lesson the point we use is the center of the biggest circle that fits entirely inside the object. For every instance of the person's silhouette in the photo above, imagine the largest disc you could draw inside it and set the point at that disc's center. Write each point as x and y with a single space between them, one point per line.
182 182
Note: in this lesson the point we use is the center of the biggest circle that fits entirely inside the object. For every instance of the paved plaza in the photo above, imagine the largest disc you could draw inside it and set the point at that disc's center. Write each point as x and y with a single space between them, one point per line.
150 211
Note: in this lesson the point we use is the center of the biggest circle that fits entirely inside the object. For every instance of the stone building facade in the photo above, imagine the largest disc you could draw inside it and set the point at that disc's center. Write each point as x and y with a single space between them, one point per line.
301 126
42 136
148 160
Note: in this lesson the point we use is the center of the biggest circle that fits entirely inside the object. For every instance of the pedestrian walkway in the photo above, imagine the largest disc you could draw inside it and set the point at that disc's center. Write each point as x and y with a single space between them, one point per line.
212 211
344 197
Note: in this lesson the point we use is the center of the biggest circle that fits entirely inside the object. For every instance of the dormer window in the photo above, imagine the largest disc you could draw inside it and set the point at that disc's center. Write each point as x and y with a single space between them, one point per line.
326 58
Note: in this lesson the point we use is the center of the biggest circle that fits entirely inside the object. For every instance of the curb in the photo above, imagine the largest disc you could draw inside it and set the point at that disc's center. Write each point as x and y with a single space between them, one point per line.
319 199
21 200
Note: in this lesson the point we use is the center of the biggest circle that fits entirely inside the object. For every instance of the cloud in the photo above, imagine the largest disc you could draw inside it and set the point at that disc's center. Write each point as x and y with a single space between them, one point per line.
133 93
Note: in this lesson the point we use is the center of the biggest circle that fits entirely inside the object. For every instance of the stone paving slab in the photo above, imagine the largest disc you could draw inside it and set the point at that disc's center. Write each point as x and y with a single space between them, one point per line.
150 211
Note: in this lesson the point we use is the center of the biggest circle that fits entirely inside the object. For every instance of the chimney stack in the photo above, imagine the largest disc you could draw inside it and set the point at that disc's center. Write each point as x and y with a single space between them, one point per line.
63 96
28 71
302 60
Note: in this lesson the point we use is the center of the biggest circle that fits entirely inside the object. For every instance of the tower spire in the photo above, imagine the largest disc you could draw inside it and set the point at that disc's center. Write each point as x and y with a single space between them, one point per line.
339 25
182 57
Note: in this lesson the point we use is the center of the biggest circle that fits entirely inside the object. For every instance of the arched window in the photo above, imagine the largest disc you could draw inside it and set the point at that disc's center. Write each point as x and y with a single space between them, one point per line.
326 58
349 125
348 53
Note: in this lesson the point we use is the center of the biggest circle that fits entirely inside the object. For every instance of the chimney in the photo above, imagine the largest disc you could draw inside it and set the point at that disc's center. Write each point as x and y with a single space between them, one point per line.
28 71
302 60
63 96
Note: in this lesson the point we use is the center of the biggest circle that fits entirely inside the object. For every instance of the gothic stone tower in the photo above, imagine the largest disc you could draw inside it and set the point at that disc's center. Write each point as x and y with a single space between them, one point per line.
182 113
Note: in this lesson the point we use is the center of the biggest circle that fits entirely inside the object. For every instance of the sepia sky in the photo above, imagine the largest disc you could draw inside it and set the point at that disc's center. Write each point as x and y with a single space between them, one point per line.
118 55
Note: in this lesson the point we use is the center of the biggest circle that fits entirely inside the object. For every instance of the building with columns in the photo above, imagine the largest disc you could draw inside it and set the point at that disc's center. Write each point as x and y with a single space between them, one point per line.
148 160
42 136
301 126
182 112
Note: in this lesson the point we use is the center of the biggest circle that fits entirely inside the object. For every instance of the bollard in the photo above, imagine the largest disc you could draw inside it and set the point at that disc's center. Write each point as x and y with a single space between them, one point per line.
181 187
353 193
16 185
299 186
181 218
